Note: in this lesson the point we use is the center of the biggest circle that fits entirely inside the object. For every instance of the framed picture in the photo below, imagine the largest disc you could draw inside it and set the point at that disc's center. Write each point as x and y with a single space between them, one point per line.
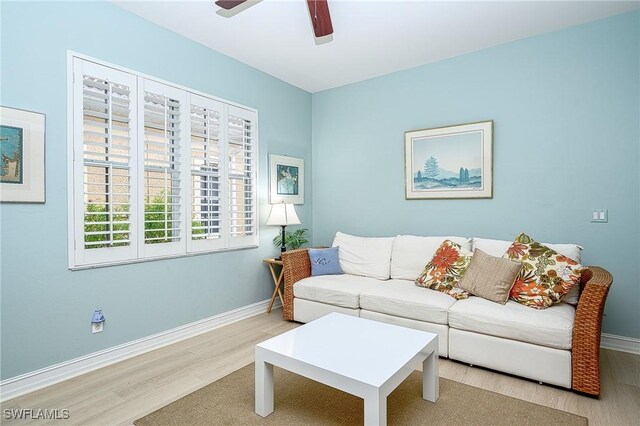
449 162
286 179
21 156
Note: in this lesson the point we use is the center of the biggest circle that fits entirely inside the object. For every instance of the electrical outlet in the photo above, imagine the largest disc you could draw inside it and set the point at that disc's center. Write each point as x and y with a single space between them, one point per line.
97 321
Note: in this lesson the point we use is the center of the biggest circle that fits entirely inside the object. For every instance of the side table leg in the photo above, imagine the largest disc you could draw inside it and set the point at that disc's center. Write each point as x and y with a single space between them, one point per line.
276 291
375 410
277 281
264 387
430 378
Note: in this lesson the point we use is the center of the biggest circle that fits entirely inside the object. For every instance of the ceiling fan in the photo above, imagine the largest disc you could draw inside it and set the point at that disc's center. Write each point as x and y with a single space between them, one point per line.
318 10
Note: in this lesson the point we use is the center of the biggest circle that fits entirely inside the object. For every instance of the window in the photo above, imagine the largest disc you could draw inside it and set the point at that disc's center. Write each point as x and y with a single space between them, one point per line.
158 170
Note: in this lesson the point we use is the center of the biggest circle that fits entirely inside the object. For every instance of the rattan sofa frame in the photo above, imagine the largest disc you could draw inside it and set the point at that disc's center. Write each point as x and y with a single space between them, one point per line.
585 348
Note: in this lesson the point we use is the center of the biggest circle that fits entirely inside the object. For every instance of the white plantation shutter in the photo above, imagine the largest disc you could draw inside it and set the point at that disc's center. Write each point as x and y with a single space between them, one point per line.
104 153
158 170
207 175
162 108
242 149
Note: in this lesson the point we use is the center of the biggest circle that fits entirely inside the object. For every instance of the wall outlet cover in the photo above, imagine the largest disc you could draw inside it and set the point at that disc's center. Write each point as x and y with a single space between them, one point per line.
599 215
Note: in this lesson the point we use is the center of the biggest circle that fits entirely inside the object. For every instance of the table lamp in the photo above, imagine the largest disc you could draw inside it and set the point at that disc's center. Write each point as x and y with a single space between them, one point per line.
282 215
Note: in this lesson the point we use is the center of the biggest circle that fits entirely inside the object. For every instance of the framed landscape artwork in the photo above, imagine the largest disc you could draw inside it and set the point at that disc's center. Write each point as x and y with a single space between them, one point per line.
286 179
449 162
21 156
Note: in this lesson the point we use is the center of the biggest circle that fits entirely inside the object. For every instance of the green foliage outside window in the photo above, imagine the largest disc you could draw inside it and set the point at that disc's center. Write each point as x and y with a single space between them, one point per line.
95 222
157 210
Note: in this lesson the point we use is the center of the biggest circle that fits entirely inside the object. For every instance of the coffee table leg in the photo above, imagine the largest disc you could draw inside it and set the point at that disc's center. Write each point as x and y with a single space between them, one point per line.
430 378
264 388
375 410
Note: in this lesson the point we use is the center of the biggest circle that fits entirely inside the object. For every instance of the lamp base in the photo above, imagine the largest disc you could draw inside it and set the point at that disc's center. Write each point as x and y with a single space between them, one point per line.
283 246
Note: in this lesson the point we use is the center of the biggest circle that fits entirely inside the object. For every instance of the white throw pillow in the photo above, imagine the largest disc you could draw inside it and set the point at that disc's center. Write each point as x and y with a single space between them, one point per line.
499 247
364 256
411 253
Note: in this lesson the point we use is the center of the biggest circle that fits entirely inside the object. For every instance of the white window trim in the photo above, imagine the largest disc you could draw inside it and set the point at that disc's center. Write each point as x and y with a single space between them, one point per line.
190 249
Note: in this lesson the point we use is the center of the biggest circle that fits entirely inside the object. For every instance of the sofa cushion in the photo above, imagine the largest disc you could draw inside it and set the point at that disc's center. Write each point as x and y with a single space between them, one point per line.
552 327
338 290
546 276
573 296
445 269
499 247
367 257
410 253
404 299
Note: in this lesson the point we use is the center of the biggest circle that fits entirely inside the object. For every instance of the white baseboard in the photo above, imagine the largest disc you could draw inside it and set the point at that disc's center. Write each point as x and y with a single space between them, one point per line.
38 379
620 343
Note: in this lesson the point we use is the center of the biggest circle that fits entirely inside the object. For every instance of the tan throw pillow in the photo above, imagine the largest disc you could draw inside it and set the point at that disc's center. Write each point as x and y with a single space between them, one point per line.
490 277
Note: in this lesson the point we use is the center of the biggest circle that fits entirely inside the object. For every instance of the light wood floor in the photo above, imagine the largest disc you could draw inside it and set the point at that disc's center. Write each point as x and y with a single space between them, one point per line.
126 391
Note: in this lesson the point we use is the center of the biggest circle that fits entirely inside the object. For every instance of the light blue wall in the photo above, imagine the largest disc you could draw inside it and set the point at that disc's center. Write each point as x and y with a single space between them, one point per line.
567 139
45 308
565 104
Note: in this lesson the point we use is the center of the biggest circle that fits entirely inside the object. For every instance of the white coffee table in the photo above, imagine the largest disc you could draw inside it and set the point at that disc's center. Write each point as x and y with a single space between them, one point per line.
365 358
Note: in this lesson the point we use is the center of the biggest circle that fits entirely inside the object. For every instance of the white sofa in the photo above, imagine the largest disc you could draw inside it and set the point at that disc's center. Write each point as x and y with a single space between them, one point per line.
378 283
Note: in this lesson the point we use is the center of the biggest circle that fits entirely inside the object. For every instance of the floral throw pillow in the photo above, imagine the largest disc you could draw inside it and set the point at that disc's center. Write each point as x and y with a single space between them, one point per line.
546 276
444 270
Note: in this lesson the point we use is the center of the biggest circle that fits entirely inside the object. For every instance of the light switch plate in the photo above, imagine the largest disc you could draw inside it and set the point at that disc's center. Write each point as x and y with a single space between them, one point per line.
599 215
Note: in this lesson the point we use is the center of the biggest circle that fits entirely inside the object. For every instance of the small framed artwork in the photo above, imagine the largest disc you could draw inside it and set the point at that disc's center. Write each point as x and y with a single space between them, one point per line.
286 179
449 162
21 156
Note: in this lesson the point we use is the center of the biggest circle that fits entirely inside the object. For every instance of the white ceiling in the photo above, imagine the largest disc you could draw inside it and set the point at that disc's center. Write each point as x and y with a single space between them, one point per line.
371 38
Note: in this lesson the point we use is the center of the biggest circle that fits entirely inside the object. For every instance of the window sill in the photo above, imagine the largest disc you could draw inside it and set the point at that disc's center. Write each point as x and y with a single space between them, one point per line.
158 258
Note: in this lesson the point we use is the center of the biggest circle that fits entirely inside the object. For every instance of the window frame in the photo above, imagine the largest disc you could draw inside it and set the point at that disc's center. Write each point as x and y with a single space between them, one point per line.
82 258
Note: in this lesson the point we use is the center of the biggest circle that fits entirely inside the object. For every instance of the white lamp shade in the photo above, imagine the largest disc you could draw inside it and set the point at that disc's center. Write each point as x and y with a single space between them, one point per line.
283 214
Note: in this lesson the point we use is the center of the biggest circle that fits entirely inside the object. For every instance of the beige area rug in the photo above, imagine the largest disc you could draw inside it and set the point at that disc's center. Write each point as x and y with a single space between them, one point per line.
300 401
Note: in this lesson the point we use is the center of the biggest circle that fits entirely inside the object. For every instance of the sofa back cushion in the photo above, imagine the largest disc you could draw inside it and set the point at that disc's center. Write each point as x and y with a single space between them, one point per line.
499 247
411 253
364 256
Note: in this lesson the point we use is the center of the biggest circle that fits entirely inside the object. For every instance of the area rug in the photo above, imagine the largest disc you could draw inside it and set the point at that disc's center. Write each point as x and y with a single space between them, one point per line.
300 401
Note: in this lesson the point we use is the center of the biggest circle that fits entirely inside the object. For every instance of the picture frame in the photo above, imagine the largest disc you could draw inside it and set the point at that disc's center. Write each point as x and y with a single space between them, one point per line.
22 161
286 179
449 162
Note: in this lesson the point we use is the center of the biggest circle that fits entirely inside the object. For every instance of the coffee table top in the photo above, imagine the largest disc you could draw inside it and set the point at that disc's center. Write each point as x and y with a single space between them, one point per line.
361 349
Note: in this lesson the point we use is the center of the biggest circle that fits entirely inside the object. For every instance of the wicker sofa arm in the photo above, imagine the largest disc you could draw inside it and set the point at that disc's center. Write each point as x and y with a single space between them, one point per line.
296 266
585 356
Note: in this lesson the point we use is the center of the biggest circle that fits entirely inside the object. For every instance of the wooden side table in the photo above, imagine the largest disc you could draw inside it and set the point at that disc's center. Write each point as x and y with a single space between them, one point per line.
277 280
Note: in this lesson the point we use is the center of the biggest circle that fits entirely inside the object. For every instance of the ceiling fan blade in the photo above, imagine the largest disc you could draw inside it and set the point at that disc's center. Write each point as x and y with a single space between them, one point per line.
320 17
229 4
